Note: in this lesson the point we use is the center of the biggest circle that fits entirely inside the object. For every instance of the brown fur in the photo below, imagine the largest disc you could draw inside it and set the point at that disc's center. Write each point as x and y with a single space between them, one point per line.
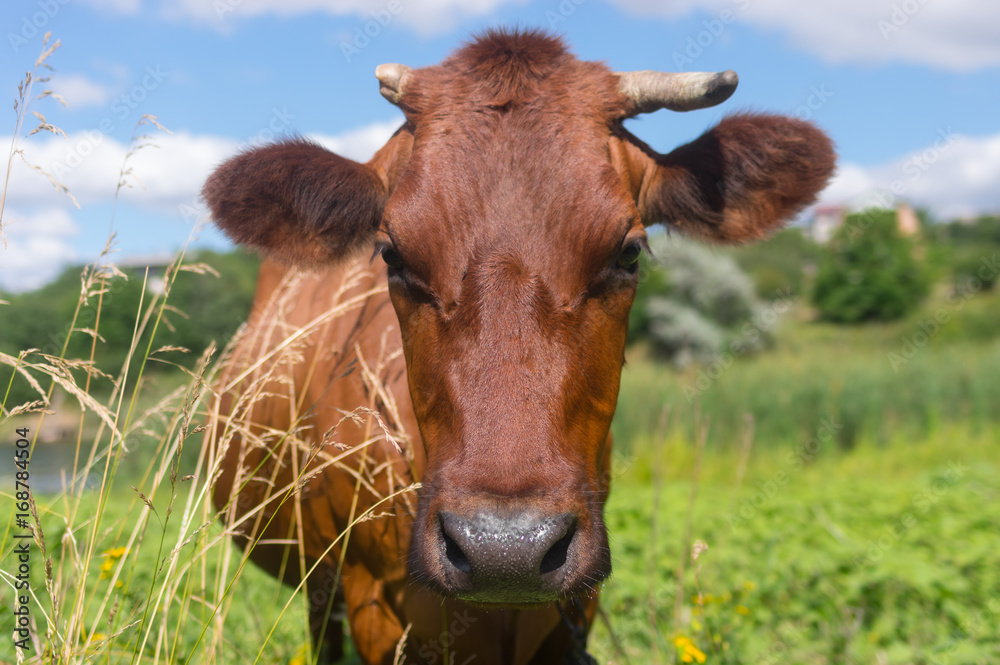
307 205
507 198
740 180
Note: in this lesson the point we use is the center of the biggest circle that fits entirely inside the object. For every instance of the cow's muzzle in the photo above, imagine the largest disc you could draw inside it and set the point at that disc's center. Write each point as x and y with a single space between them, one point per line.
492 558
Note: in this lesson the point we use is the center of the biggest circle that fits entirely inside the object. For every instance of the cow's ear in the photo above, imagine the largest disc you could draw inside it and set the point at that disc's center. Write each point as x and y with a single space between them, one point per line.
740 180
299 203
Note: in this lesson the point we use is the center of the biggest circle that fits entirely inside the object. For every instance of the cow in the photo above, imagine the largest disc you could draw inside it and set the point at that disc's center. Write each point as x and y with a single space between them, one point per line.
415 424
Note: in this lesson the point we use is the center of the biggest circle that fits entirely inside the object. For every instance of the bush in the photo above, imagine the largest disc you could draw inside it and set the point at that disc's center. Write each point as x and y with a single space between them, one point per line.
204 308
868 272
694 302
777 265
983 230
975 270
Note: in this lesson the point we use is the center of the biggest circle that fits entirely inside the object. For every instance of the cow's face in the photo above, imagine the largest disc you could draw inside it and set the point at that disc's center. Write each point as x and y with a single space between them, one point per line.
512 247
510 213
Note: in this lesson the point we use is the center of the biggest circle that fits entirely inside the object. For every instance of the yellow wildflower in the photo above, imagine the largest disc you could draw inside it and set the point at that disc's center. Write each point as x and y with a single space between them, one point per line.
689 653
745 611
300 656
110 557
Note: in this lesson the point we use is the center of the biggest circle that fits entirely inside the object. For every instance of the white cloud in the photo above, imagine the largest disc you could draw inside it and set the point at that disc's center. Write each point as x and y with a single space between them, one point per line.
959 35
166 176
954 176
117 6
78 91
428 17
39 242
39 246
360 144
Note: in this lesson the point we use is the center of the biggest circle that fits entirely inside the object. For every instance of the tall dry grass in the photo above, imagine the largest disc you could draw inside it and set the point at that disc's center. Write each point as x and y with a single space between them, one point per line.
139 565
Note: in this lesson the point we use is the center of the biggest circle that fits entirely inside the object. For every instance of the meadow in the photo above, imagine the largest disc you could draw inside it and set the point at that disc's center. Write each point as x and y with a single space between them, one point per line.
847 512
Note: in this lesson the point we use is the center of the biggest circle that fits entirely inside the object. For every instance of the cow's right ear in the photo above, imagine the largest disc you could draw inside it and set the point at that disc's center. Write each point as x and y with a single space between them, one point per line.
301 204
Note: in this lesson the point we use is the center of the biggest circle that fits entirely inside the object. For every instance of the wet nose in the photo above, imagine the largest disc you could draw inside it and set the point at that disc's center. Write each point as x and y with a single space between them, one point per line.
520 559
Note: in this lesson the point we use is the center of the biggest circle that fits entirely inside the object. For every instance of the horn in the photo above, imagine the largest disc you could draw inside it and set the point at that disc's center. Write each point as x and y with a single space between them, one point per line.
392 78
649 91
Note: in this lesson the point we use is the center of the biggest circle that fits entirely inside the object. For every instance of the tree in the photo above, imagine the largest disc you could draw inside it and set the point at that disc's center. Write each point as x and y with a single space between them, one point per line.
777 264
869 272
202 308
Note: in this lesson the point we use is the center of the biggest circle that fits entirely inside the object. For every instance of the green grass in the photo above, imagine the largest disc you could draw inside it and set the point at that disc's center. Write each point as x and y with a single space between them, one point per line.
122 590
822 548
847 376
884 555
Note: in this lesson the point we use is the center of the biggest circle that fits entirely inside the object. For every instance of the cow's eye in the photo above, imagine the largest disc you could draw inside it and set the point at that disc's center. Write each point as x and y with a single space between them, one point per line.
391 257
629 256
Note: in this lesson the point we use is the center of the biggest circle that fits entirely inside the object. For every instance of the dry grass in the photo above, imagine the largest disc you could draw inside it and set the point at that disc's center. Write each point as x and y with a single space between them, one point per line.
142 567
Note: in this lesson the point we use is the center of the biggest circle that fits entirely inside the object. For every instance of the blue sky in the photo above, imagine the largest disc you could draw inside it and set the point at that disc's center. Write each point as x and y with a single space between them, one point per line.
908 89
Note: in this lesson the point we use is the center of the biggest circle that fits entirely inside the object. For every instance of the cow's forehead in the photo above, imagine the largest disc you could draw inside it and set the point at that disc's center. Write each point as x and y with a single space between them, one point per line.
519 182
510 155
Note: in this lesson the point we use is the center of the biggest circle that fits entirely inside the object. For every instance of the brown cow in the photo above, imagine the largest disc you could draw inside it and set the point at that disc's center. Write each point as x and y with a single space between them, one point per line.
509 213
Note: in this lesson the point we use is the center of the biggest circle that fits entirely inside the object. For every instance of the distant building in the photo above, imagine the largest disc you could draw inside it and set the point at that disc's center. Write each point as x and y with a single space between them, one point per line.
828 219
907 221
135 267
825 223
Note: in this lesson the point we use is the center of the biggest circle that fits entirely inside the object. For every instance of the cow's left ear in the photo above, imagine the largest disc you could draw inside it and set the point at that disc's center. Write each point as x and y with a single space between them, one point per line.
301 204
740 180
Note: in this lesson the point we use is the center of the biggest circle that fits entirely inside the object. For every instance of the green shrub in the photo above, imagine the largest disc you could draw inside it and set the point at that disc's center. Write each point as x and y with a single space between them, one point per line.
869 272
696 303
976 269
204 307
777 265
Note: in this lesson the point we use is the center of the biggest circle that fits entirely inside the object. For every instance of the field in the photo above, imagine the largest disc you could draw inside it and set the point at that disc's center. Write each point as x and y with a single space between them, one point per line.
849 513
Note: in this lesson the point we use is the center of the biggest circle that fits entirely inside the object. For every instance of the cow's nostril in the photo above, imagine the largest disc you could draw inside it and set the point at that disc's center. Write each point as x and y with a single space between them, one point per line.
455 554
555 558
494 558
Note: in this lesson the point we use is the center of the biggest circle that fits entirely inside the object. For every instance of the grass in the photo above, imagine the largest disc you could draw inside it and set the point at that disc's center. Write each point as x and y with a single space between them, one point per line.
883 555
823 373
154 591
132 565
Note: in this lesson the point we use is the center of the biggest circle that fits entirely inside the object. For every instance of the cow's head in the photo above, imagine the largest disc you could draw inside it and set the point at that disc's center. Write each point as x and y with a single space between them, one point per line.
510 210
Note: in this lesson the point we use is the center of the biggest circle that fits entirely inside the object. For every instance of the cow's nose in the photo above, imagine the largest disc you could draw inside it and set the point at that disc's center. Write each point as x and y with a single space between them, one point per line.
514 560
